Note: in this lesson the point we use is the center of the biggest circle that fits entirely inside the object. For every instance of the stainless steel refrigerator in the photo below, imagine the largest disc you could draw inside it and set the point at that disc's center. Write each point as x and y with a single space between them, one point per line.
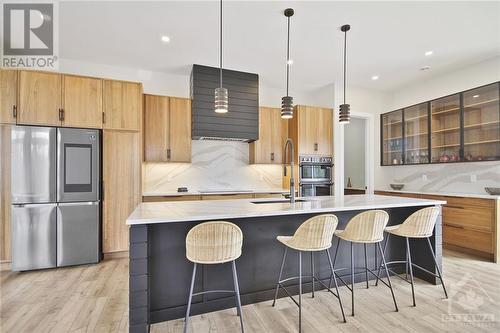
55 197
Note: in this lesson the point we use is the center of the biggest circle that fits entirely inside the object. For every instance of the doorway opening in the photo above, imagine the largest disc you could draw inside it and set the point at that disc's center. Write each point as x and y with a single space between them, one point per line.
355 156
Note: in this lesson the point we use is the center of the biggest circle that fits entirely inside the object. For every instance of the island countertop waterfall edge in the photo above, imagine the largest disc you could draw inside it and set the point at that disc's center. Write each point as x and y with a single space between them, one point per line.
160 273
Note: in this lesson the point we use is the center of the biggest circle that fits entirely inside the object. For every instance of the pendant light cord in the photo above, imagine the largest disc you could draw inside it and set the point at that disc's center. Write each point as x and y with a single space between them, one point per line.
288 55
345 56
220 43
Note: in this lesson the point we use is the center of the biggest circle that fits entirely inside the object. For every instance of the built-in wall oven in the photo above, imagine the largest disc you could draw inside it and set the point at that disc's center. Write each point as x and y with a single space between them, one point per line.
315 175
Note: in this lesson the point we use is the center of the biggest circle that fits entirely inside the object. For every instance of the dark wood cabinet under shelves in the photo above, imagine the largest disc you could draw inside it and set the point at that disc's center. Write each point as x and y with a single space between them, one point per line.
462 127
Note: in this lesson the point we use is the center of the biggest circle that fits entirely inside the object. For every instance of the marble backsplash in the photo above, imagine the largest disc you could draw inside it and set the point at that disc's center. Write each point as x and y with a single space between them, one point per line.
215 165
469 178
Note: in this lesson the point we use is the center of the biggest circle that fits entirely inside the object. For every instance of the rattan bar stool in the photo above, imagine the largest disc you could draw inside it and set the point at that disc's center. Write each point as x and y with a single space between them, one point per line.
210 243
314 235
364 228
418 225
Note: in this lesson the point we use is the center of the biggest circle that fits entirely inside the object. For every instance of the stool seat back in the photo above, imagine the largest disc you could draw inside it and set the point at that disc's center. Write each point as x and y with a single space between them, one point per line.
315 234
366 227
214 242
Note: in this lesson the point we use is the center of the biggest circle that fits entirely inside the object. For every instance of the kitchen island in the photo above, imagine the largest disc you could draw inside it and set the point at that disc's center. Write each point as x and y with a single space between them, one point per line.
160 273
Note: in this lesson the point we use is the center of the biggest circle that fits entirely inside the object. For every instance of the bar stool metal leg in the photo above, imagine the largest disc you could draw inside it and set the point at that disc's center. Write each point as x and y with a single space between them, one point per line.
279 278
237 291
300 291
352 278
409 264
380 267
334 260
437 267
312 273
336 285
186 321
388 277
366 266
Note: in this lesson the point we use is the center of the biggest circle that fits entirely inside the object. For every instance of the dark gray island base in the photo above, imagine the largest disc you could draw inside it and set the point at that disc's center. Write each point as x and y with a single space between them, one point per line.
160 273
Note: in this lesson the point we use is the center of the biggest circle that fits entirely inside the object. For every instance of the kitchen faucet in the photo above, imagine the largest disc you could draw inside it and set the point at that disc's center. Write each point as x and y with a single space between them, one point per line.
289 143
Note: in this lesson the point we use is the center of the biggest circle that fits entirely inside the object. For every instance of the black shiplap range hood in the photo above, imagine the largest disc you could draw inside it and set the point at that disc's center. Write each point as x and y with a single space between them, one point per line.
241 122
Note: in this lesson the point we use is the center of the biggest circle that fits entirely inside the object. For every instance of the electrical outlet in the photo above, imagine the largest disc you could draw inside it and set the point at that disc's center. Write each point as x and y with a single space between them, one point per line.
473 178
424 178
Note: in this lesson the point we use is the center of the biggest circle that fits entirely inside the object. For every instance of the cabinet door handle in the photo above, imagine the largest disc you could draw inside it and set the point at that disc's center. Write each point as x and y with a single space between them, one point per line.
14 111
61 114
457 207
454 226
272 156
316 147
103 118
169 153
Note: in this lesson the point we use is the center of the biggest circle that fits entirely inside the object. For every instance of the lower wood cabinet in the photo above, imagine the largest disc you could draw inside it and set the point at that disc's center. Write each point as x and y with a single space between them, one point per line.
469 224
122 186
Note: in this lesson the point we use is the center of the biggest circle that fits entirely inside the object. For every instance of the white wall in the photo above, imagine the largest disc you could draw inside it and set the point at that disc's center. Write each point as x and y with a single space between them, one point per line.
354 155
460 177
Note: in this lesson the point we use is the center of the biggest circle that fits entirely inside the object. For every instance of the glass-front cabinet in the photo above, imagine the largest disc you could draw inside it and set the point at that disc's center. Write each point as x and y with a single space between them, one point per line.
458 128
392 137
417 134
481 124
445 129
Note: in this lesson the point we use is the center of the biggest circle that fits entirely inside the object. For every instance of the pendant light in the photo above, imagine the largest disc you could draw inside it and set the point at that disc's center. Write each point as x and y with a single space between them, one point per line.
221 95
344 112
287 101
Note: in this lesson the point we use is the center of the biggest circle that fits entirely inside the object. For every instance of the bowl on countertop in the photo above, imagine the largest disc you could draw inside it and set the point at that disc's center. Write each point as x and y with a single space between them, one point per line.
397 187
492 190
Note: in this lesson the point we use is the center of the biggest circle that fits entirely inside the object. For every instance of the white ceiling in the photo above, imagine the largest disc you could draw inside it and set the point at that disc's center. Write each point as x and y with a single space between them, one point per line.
387 39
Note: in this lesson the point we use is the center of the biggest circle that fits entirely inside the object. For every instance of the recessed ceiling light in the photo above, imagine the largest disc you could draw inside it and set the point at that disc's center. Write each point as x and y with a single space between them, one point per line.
424 68
374 77
290 61
429 53
475 96
165 39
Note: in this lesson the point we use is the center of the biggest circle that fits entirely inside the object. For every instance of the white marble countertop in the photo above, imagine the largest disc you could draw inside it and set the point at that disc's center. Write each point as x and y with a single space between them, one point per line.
183 211
212 192
450 194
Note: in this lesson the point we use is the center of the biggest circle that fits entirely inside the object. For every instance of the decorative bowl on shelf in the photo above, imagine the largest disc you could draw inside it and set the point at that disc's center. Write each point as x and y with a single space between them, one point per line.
492 190
397 187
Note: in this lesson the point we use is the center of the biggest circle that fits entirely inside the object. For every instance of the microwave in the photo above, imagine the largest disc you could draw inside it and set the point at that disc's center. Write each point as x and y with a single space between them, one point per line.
315 169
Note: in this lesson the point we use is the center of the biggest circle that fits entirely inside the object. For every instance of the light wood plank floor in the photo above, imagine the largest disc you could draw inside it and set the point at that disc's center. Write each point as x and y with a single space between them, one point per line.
94 298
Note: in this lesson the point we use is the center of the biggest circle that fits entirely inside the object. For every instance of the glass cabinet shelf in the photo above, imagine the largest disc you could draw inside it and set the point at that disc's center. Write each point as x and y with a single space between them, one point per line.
461 127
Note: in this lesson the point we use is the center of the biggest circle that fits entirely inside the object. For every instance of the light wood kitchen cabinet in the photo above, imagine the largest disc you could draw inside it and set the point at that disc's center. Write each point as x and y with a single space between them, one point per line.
122 105
121 177
156 124
5 143
82 102
313 130
469 224
167 129
273 132
8 96
180 129
39 98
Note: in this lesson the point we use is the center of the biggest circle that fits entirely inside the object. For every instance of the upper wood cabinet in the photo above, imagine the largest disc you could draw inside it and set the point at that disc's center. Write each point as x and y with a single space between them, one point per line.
39 98
82 102
273 132
167 129
180 129
156 125
8 96
122 105
313 130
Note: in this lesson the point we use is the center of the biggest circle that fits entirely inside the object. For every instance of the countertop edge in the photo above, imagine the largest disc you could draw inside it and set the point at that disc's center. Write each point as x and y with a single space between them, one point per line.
425 202
190 193
445 194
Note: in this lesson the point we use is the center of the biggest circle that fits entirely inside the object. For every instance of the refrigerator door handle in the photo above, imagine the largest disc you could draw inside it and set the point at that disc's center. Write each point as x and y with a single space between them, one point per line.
90 203
34 205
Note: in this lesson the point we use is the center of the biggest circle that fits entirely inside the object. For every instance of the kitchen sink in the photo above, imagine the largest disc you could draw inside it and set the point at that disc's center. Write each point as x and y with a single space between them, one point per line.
277 201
